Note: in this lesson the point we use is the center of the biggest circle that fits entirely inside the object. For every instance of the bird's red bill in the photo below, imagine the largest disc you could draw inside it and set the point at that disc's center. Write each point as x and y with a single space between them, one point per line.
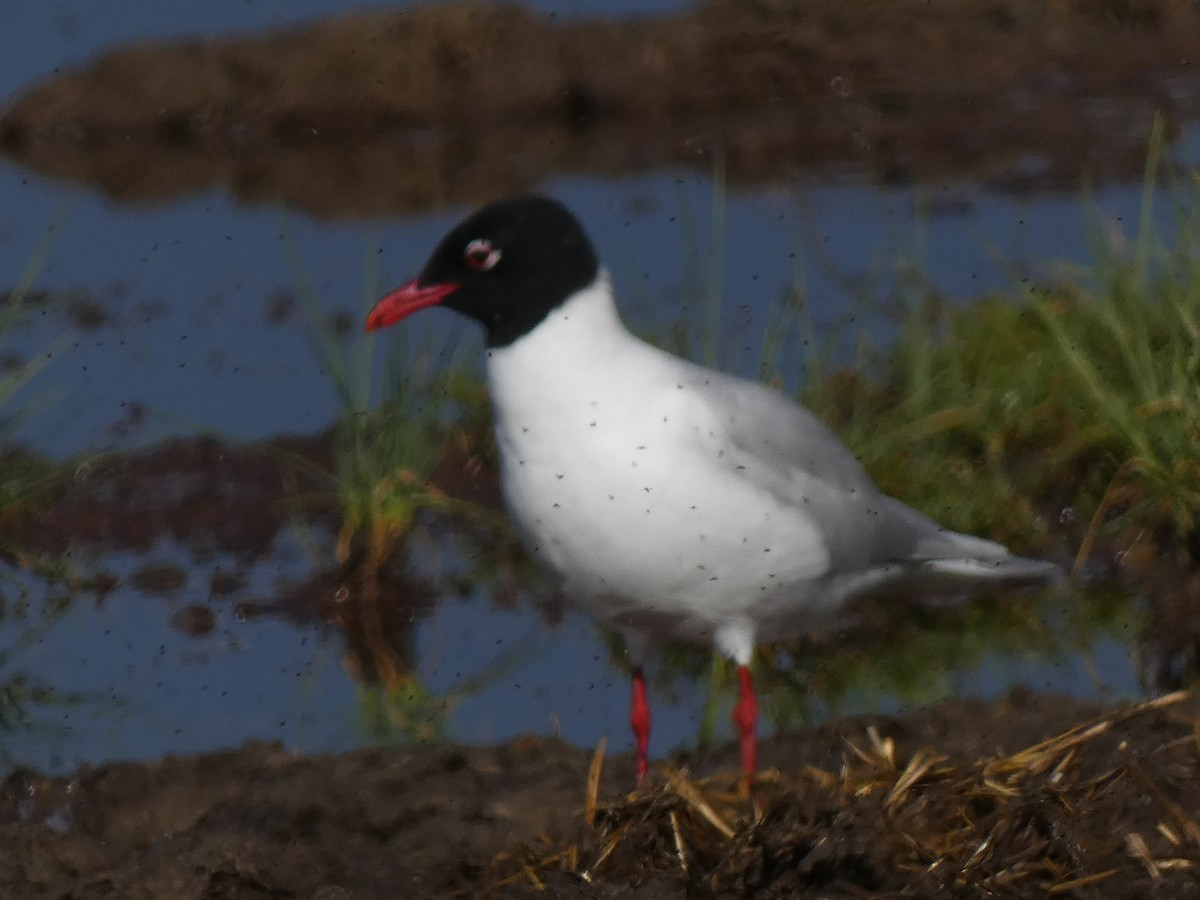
406 300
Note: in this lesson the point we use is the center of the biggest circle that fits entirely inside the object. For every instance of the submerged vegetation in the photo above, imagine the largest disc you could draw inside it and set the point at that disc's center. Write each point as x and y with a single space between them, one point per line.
26 700
22 477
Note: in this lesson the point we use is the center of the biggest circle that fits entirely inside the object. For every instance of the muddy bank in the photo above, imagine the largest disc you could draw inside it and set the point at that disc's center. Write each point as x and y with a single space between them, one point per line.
210 495
401 111
1108 808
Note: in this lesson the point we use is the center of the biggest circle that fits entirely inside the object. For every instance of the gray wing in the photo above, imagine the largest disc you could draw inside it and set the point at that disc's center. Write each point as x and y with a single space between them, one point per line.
783 448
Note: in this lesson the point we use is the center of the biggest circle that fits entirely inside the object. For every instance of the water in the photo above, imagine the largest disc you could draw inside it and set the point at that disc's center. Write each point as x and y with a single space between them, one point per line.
188 289
129 684
193 333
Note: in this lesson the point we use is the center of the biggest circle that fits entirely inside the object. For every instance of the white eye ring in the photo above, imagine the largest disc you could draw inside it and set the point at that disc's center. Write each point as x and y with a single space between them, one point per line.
481 255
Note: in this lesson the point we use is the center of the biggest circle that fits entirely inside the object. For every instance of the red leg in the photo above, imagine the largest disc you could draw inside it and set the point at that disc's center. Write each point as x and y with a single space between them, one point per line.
639 718
745 719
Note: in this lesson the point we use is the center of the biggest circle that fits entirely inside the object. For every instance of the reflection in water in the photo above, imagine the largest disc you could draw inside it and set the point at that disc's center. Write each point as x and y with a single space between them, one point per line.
455 653
30 610
267 116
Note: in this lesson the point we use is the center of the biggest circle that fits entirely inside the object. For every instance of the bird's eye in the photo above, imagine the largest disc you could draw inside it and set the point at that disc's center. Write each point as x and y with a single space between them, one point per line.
481 255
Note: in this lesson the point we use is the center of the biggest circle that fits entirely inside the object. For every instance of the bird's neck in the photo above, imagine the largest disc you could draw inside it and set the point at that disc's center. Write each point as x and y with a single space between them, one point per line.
577 342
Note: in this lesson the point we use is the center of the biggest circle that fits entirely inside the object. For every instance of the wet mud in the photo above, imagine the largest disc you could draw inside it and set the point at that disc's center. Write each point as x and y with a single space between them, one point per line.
961 800
205 493
415 109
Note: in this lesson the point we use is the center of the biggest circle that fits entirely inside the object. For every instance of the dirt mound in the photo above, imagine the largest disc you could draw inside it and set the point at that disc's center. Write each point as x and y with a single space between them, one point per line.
1105 808
859 806
418 108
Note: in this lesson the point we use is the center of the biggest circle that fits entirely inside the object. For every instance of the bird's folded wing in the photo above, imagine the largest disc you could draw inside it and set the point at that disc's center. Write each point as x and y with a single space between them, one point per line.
784 449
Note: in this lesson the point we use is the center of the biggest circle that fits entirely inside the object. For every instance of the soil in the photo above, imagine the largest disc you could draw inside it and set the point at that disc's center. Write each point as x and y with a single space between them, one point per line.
845 814
398 111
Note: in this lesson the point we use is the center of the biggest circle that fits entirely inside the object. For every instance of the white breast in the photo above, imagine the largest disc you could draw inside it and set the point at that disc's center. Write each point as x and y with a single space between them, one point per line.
612 474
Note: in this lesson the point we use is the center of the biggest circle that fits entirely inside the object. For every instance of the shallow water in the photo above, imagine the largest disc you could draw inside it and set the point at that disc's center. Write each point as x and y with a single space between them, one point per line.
194 330
129 683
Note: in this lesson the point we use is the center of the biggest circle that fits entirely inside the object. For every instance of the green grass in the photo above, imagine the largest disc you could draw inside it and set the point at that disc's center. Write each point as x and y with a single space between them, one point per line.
24 478
1131 346
390 437
1083 394
16 303
1080 394
388 442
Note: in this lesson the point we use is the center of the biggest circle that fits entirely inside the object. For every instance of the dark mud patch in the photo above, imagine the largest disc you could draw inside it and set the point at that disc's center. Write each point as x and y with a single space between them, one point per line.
1078 811
207 494
961 800
202 492
416 109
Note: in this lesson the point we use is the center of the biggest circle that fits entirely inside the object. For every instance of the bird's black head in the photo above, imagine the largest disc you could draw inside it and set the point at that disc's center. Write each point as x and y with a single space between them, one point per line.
507 266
